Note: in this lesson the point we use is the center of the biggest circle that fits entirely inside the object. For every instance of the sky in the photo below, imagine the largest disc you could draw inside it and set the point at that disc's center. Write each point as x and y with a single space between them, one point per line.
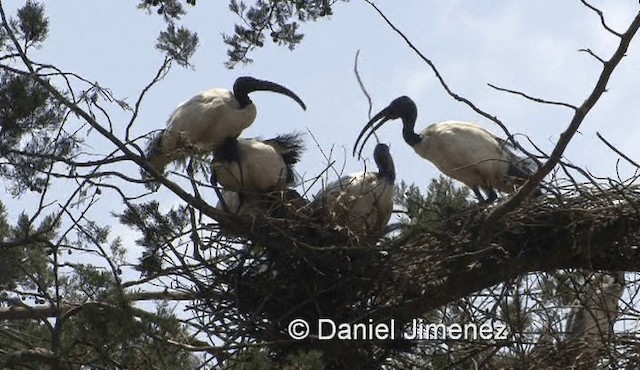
528 46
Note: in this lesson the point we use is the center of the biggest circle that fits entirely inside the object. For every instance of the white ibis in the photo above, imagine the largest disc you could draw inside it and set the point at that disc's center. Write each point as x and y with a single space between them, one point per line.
594 313
255 166
461 150
202 123
363 201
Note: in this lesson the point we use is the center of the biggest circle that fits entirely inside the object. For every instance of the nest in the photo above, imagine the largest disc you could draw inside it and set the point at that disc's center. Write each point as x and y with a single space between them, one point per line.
290 263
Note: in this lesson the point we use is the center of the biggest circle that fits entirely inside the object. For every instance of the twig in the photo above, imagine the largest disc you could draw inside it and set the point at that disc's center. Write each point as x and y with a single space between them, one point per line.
602 20
616 150
442 81
537 100
578 117
590 52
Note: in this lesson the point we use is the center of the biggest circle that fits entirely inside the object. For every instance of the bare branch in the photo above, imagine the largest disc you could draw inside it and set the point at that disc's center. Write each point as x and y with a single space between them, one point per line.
617 150
602 20
578 117
590 52
160 74
537 100
443 82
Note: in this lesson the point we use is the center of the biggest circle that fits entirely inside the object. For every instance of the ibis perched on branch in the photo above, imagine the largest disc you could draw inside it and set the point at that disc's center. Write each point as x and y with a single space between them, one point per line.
256 166
204 122
461 150
362 202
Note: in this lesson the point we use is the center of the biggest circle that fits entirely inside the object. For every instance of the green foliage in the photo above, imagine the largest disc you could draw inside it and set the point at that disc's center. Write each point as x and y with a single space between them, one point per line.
259 359
178 43
31 28
158 230
441 201
171 10
106 336
30 132
277 18
32 23
24 260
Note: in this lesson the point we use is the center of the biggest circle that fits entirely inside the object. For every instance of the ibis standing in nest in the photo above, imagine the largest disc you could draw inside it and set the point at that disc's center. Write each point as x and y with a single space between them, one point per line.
362 202
461 150
256 166
204 122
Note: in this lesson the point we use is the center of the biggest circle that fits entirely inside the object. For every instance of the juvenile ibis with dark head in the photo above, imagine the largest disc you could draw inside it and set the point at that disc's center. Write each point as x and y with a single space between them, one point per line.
204 122
363 201
461 150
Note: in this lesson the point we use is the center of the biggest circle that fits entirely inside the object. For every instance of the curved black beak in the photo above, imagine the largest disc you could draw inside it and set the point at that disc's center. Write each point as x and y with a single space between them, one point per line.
245 85
382 116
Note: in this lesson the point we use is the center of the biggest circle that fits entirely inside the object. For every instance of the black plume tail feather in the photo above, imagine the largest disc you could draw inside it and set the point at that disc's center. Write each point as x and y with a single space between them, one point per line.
290 146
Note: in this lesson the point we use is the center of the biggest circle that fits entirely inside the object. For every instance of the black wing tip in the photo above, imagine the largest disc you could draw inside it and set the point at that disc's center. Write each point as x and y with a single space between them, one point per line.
292 145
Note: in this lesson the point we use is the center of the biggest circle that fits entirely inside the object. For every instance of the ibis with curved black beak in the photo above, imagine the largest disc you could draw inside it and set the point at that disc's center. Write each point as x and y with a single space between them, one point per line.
461 150
363 201
205 121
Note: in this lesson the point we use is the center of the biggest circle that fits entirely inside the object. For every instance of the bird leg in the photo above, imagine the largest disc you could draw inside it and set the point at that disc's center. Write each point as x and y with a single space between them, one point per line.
492 196
214 182
478 194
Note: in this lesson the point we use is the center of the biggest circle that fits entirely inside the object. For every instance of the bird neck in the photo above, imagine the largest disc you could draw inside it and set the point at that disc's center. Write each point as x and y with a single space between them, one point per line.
241 89
386 169
387 172
228 151
243 99
409 135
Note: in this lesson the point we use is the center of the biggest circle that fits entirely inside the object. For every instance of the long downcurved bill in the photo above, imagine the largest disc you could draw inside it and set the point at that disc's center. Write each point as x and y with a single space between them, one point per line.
272 86
373 126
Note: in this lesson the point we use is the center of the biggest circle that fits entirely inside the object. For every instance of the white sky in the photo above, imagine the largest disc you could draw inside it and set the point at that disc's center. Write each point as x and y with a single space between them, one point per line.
530 46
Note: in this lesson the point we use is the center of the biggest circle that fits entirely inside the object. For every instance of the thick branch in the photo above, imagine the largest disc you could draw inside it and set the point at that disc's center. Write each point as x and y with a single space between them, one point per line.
44 312
595 232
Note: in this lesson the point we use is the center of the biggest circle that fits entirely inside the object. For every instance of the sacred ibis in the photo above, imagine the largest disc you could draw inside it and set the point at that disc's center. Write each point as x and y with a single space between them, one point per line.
362 202
595 310
205 121
256 166
461 150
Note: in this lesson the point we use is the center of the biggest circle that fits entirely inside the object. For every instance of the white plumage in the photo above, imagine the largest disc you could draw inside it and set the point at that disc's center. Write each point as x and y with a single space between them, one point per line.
461 150
205 121
232 201
594 313
362 202
252 165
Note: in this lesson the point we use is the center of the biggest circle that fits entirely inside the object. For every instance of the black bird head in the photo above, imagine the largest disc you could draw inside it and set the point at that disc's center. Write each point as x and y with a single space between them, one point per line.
384 161
402 107
246 85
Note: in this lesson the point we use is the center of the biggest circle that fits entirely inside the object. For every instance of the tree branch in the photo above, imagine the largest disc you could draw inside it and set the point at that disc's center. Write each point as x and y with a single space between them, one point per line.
578 117
44 312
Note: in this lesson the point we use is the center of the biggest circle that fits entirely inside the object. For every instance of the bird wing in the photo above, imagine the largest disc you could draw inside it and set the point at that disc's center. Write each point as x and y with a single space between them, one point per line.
520 165
335 186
